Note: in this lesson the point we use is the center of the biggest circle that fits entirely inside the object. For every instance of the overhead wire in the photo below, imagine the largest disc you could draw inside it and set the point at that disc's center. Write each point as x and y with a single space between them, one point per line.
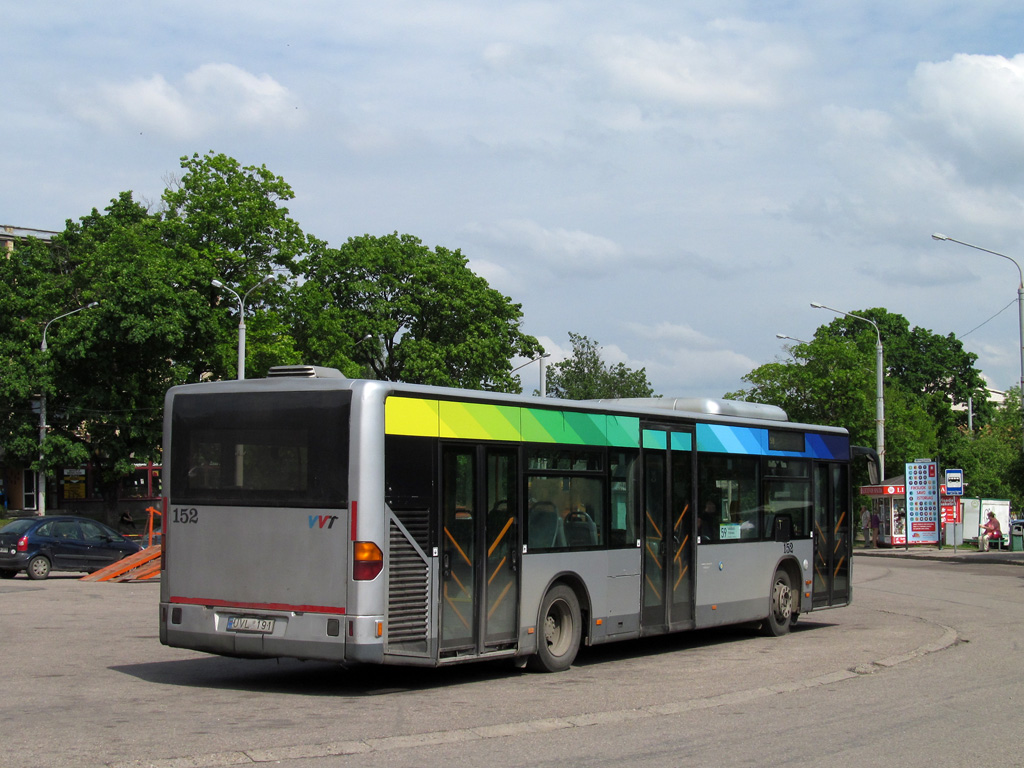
997 314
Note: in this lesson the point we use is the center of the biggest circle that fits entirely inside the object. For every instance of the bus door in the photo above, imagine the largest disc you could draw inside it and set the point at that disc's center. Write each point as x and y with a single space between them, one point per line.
669 530
479 546
832 535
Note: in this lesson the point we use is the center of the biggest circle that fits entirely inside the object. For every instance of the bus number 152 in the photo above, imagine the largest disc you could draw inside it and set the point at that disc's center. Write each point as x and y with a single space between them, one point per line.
182 515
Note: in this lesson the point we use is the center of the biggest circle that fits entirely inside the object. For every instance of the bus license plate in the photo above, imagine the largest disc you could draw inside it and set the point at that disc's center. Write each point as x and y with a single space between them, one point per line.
250 624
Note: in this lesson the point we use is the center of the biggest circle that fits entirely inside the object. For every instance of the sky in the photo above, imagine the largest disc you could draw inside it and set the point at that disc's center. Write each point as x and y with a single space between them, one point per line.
676 181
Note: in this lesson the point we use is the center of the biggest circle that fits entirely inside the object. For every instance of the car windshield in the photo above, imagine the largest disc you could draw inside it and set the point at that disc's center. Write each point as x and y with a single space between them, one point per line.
18 527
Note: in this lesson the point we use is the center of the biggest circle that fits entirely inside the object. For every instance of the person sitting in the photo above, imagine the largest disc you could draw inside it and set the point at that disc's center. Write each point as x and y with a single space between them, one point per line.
990 531
127 521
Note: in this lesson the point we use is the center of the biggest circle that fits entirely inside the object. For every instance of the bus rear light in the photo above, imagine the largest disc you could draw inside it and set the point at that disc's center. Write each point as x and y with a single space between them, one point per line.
22 545
367 561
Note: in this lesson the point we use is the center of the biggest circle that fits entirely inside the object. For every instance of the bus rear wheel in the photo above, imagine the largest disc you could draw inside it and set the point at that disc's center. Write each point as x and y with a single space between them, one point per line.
559 630
780 616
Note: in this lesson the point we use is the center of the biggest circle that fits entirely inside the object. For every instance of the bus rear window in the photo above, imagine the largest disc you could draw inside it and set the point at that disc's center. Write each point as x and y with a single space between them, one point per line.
273 449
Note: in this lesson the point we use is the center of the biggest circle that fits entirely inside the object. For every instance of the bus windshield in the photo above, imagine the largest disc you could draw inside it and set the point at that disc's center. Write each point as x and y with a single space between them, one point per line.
268 449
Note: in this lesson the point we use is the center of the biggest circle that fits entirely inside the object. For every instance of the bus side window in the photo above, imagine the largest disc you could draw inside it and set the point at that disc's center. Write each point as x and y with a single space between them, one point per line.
624 488
564 512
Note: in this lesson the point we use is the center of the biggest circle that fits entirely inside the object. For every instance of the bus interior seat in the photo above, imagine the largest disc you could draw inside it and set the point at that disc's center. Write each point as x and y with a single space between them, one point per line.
545 529
580 530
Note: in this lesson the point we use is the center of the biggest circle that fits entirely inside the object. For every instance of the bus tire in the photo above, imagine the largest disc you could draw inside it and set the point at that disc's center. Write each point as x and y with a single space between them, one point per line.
780 615
559 629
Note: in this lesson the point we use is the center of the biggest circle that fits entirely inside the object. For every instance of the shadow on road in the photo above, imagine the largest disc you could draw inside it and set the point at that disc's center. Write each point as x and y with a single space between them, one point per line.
290 676
680 641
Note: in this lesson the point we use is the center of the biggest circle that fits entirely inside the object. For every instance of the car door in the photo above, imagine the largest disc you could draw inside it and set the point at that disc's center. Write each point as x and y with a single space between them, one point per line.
102 545
67 546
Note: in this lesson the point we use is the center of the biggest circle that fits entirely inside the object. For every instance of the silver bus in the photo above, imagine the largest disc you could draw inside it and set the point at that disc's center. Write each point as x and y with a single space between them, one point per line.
318 517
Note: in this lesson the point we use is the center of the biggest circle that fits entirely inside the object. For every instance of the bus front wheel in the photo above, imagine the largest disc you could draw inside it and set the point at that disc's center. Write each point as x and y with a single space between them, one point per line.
559 631
780 616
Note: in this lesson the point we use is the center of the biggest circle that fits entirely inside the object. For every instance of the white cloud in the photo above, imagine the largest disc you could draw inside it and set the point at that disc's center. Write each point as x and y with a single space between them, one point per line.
560 251
675 335
730 65
211 97
974 105
951 152
687 362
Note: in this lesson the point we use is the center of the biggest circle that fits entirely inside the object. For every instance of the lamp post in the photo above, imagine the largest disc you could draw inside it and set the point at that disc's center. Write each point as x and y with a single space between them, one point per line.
791 338
241 318
41 476
543 372
880 387
1020 301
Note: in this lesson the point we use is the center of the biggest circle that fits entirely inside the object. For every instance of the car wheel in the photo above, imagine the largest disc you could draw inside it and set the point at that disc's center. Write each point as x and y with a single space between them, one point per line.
7 574
38 568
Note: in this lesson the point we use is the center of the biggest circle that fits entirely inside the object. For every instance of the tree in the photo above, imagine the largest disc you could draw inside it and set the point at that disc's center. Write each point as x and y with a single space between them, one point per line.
991 457
407 313
159 322
106 370
388 307
35 288
831 380
230 218
585 376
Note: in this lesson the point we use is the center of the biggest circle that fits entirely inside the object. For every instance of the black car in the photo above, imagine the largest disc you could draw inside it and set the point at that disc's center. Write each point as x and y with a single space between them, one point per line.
38 545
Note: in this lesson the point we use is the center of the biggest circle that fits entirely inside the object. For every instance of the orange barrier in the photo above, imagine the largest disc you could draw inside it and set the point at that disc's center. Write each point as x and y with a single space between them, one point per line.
149 528
140 566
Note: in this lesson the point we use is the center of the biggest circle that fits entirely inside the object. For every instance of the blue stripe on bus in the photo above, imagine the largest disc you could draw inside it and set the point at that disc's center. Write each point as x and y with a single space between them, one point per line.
722 438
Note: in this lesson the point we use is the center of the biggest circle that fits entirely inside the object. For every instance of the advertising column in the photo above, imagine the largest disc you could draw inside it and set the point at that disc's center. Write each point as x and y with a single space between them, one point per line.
922 502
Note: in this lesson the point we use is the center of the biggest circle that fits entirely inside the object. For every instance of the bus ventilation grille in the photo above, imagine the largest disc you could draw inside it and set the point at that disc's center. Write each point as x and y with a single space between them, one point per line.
304 372
408 594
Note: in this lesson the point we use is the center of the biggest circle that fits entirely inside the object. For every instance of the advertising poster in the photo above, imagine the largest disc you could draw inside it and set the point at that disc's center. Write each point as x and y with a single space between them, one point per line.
923 502
74 483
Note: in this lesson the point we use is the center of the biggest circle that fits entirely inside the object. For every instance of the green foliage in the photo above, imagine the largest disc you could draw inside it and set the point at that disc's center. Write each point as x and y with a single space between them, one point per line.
407 313
992 458
386 307
585 376
159 321
928 381
231 219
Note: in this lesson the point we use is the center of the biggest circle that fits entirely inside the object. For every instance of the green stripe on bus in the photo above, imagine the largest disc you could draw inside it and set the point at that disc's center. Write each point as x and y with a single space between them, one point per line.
655 439
479 421
485 421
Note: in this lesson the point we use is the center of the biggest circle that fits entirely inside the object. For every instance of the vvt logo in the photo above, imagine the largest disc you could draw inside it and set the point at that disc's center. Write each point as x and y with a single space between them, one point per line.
322 521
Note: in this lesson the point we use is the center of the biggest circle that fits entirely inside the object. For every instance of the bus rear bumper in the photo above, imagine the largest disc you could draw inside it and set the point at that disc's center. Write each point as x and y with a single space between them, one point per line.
269 635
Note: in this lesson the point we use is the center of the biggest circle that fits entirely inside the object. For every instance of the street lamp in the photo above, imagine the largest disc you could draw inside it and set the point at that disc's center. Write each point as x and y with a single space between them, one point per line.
41 476
543 372
1020 301
880 386
241 318
791 338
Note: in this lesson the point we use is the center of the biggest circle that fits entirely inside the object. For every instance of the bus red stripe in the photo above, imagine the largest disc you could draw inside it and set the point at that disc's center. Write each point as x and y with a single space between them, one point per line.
352 511
257 606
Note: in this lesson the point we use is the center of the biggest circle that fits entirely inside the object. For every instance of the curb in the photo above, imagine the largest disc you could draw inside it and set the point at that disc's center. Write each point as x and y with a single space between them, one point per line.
998 557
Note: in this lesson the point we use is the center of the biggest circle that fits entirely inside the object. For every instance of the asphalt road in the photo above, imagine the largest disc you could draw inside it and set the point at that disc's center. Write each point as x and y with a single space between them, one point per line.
926 661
